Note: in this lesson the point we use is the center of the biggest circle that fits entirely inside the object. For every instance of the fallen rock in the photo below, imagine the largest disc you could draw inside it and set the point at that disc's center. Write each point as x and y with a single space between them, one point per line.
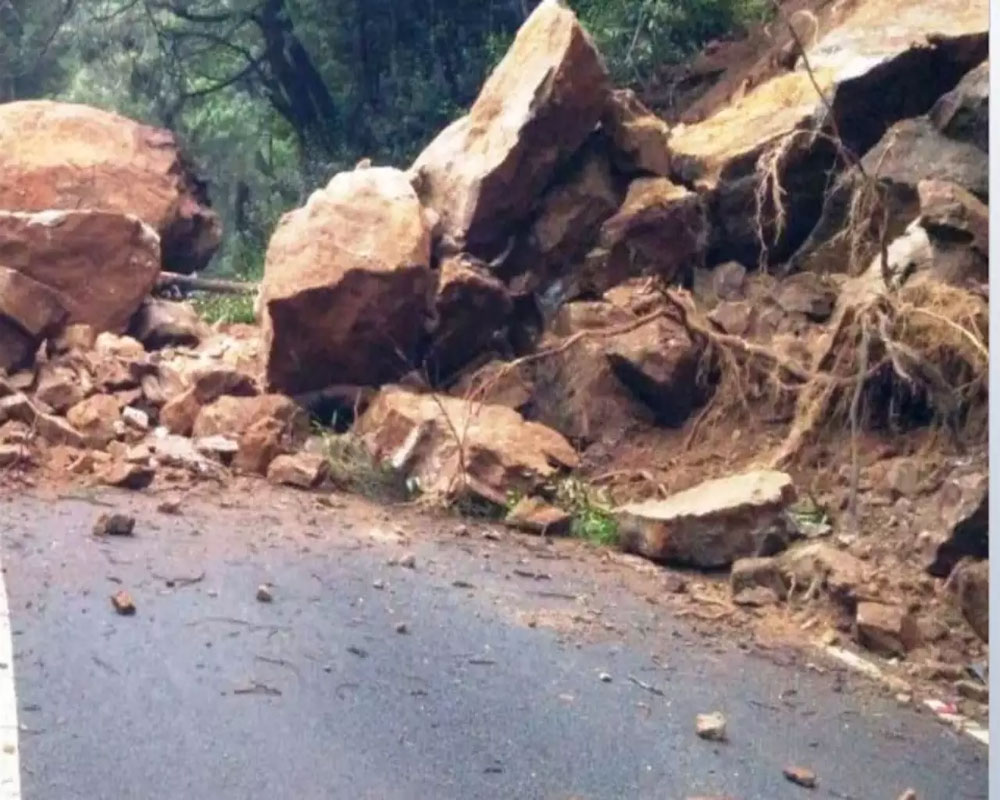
584 315
304 470
221 448
127 475
163 323
136 419
472 308
964 531
956 223
177 451
11 454
641 139
800 776
95 418
970 582
973 690
179 414
214 381
264 594
536 516
65 156
347 284
749 574
231 416
262 442
501 452
123 603
93 267
70 338
888 630
31 309
483 173
714 523
60 387
818 565
711 727
658 363
735 318
495 383
115 524
660 229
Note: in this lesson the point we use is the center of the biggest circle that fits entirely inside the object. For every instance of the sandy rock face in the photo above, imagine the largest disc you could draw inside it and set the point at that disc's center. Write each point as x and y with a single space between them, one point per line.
66 156
97 265
502 452
347 284
482 172
714 523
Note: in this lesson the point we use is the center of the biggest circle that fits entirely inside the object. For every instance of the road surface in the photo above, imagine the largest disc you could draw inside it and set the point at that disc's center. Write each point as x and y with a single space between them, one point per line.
492 669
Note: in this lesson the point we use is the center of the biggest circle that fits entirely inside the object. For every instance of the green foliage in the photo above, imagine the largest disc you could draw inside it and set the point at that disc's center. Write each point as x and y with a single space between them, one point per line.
352 469
227 308
593 519
272 97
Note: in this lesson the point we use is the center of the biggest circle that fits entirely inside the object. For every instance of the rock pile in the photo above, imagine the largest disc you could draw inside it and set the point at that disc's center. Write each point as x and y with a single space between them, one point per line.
509 307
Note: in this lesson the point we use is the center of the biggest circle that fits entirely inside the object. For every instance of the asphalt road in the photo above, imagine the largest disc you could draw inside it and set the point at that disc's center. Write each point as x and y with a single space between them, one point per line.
208 693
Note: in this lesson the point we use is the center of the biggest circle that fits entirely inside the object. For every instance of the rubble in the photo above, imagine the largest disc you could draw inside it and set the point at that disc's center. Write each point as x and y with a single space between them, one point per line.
886 629
303 470
116 524
536 516
711 727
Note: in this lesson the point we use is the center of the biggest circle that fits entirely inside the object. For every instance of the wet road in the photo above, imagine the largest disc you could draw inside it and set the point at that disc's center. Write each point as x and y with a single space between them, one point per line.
364 679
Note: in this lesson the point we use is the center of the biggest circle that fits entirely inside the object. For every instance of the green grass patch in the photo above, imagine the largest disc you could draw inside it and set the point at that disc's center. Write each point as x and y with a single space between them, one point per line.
593 519
226 308
353 469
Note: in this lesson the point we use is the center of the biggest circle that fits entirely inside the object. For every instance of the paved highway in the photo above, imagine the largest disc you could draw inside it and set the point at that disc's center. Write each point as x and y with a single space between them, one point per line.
492 669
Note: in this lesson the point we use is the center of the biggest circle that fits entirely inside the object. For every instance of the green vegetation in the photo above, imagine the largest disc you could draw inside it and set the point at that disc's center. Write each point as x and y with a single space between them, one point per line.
593 519
228 308
271 97
353 469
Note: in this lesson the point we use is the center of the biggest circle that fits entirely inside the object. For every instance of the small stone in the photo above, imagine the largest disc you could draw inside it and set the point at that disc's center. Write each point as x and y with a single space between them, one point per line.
909 794
169 507
604 677
378 584
123 603
126 475
536 516
711 727
264 594
886 629
800 776
114 525
829 637
461 530
402 627
135 418
904 699
409 561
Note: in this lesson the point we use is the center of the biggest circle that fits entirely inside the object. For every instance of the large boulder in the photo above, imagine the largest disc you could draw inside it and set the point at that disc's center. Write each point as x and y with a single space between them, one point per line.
97 265
712 524
432 438
65 156
660 229
347 284
870 80
483 173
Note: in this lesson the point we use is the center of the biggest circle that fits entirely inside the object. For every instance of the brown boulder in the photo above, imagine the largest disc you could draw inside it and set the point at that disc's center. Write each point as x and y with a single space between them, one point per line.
98 265
536 516
95 419
714 523
964 522
232 416
495 383
472 308
970 582
213 381
660 228
60 387
751 574
484 171
163 323
641 139
304 470
347 283
886 629
179 413
500 451
658 363
65 156
817 565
